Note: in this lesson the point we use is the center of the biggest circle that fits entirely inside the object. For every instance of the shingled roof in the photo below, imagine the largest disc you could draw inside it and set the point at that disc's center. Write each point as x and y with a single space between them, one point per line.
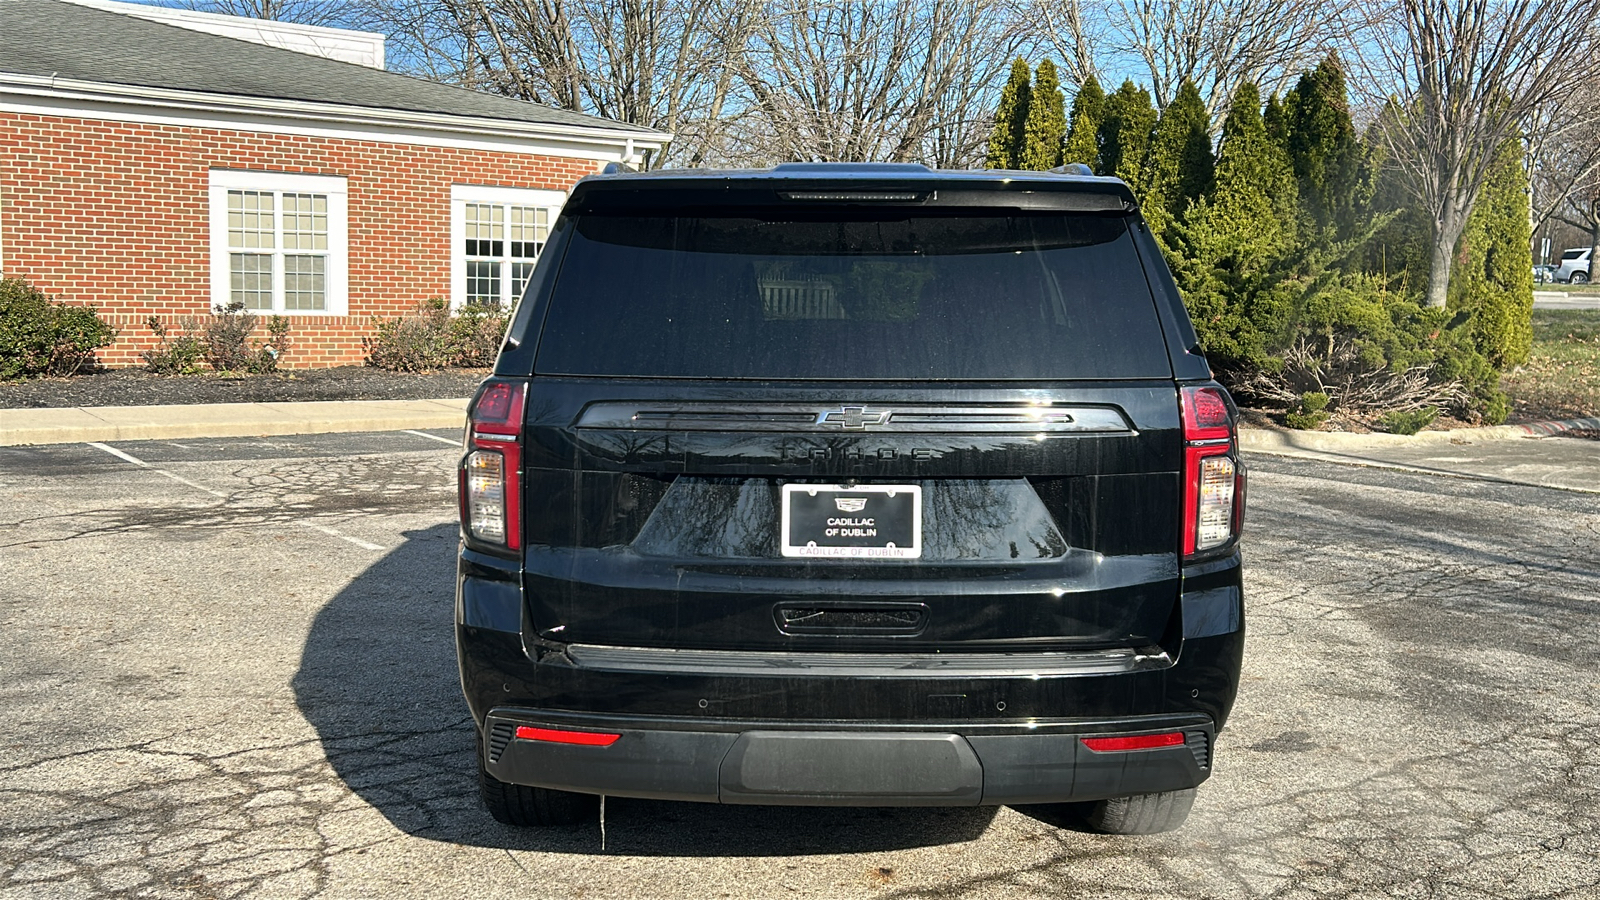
60 40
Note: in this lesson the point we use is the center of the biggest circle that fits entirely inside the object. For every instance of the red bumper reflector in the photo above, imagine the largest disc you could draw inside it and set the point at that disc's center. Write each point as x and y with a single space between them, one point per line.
586 738
1137 742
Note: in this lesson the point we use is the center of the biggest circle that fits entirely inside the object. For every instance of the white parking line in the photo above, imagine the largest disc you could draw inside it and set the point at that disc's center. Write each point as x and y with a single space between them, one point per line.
128 457
338 534
432 437
144 465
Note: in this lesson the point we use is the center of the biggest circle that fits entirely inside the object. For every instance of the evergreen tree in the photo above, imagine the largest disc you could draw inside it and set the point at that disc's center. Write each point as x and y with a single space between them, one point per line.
1011 119
1046 122
1083 141
1228 247
1491 279
1125 135
1322 147
1276 122
1254 183
1178 169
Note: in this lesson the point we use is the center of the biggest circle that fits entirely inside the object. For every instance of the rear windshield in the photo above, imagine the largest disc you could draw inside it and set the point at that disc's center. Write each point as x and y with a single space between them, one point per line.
841 296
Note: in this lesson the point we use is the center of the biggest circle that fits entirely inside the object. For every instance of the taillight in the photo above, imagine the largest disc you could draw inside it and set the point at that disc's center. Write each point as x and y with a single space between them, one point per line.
1213 478
491 472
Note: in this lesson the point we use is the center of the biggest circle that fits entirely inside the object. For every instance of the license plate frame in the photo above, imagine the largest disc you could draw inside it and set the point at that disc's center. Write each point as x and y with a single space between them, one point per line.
893 511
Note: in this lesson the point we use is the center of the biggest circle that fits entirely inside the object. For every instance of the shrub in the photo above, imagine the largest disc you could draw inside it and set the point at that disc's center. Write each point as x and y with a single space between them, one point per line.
434 339
174 354
418 343
277 343
226 336
1310 413
228 348
38 337
1373 351
1314 401
1408 422
221 341
475 336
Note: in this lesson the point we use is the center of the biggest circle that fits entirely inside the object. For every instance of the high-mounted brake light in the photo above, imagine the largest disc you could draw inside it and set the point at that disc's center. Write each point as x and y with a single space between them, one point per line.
1135 742
854 196
561 736
491 472
1213 478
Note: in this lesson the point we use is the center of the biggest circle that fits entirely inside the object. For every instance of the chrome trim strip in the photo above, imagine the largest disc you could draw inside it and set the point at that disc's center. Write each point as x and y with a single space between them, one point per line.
1118 661
1015 418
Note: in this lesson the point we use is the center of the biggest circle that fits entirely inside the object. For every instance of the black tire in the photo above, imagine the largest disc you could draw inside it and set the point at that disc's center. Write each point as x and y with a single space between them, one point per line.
1141 813
1580 277
531 807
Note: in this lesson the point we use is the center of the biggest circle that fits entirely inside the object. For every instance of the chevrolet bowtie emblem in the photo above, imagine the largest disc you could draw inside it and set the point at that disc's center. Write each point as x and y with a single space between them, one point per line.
854 418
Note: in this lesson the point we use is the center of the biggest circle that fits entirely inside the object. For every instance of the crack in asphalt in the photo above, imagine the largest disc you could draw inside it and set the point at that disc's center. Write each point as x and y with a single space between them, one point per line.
258 819
1416 719
324 491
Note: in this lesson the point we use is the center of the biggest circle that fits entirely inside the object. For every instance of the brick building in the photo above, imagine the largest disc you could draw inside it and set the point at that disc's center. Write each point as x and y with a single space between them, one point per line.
150 164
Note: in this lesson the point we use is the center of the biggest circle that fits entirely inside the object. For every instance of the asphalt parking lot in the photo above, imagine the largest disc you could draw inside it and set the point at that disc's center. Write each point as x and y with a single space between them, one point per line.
229 671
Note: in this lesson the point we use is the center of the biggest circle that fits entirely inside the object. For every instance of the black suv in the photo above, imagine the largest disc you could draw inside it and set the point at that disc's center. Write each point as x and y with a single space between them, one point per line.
858 485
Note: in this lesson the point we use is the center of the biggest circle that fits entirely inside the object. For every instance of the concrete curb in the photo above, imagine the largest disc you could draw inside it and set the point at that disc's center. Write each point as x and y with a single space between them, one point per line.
1341 442
142 423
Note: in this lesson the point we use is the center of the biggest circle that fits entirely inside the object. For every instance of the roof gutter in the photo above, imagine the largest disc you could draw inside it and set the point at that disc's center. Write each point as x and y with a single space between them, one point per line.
337 113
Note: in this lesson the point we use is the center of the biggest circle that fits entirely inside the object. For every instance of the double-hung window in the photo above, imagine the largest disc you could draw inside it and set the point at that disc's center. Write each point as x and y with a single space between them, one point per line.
279 242
496 237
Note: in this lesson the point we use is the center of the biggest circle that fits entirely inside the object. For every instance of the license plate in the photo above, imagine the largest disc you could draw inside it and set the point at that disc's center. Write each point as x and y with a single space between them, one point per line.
868 521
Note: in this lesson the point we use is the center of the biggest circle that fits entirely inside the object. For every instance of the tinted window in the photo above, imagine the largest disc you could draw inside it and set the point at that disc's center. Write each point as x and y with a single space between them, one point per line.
1571 254
872 297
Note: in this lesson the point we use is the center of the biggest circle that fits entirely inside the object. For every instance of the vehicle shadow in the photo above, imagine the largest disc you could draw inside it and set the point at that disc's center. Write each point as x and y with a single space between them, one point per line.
378 682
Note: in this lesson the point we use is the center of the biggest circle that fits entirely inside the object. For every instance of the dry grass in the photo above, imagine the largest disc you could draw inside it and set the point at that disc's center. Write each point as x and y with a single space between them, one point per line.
1562 377
1580 289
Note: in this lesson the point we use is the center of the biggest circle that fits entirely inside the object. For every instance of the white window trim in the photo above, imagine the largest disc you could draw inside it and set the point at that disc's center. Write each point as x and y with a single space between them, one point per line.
335 277
460 196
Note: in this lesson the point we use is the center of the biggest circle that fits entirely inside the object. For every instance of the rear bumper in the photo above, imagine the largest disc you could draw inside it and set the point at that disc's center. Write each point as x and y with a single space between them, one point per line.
834 729
870 764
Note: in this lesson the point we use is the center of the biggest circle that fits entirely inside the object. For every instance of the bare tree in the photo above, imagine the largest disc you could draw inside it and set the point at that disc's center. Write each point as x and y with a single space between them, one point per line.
423 40
1467 76
894 80
1077 35
1573 190
667 64
1564 163
1221 44
304 12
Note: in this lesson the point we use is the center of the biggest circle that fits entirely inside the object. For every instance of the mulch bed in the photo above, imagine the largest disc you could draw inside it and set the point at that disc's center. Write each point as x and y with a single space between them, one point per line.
136 387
